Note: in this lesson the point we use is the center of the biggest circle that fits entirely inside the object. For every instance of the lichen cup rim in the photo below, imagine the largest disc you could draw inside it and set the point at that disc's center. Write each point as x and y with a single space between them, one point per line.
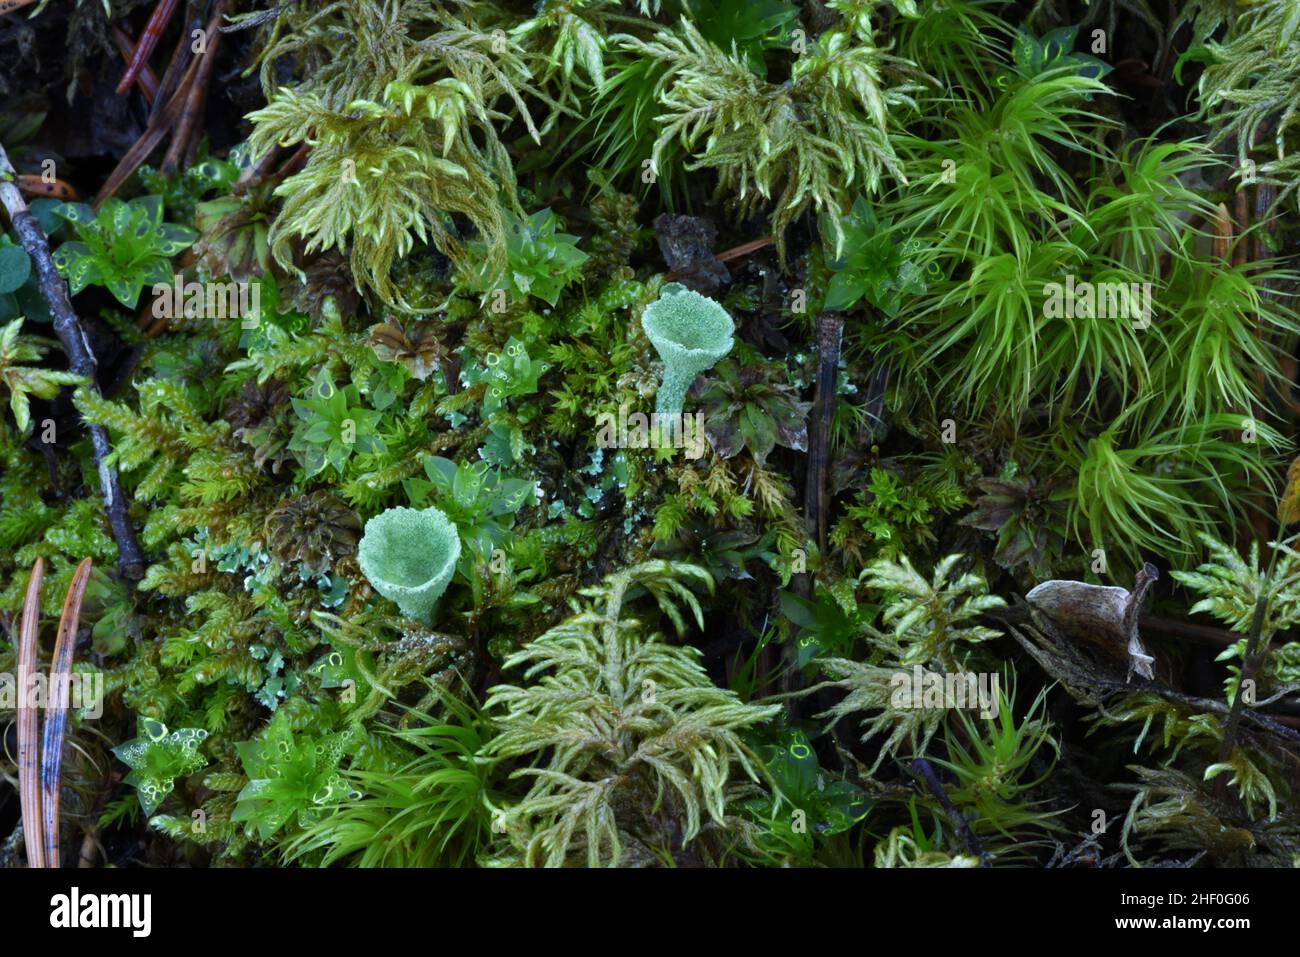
417 599
654 320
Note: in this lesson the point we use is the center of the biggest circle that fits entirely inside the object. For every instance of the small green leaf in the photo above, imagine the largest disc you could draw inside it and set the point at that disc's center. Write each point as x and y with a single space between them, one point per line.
15 267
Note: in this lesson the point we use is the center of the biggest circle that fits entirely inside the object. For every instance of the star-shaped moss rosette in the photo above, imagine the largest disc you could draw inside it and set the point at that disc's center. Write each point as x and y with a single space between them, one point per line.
751 407
409 555
158 757
1029 518
690 332
291 776
313 530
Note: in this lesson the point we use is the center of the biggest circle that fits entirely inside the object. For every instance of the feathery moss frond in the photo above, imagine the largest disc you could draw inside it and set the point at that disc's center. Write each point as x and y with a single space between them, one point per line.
932 619
803 144
618 726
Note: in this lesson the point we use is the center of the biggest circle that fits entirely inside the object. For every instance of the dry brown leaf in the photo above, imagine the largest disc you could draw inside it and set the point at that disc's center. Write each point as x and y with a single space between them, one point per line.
1288 506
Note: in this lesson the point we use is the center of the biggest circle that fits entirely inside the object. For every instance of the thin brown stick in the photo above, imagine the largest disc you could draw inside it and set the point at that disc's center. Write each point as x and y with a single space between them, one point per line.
160 124
81 360
153 31
254 174
1241 210
1203 634
735 252
28 756
187 124
923 769
146 80
1249 663
264 172
292 165
56 711
178 64
196 136
1265 196
830 332
744 249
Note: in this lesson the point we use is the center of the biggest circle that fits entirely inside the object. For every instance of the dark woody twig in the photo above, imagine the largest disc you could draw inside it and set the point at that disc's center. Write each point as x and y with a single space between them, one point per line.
146 79
735 252
1249 663
922 768
830 332
179 63
153 31
80 359
172 113
160 125
1189 631
195 98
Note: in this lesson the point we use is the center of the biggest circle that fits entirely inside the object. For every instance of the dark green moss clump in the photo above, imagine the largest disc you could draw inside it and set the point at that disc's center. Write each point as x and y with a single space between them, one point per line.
626 434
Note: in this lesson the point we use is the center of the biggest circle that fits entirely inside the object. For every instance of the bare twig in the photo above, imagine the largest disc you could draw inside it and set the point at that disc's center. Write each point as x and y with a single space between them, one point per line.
1202 634
1088 684
744 249
146 79
830 331
735 252
254 174
81 359
153 31
172 110
923 768
179 63
195 98
1248 664
160 124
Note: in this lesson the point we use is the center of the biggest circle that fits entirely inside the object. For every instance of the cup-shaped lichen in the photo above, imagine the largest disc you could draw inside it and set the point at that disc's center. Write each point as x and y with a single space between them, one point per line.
409 555
690 332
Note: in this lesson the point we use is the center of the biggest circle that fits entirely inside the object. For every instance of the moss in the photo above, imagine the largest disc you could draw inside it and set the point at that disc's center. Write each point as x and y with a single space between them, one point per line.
969 306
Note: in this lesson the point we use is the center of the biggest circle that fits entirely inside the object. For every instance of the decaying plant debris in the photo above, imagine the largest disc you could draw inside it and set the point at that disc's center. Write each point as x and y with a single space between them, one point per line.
650 433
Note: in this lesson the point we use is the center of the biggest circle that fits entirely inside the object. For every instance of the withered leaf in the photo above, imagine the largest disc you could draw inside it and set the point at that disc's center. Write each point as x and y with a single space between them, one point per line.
413 345
1102 617
1288 506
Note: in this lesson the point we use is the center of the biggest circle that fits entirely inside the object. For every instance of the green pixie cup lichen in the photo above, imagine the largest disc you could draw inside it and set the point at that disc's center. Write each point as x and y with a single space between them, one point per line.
691 333
409 556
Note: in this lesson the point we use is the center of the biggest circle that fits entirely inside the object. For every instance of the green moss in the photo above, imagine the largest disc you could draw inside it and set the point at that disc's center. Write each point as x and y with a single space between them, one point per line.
157 757
405 602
